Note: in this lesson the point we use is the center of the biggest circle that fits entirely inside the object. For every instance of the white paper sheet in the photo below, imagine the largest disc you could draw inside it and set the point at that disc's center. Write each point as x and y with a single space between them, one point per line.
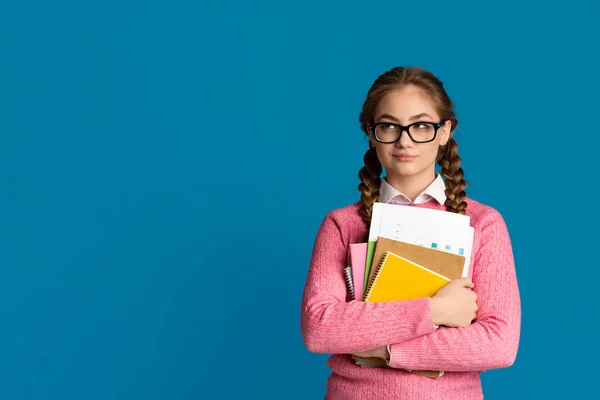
425 227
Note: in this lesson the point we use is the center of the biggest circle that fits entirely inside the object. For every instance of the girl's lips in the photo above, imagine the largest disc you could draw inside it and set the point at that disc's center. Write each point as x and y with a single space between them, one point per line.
403 157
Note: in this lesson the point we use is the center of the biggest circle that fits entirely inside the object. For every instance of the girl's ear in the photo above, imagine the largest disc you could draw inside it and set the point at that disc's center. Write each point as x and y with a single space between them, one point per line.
371 138
445 132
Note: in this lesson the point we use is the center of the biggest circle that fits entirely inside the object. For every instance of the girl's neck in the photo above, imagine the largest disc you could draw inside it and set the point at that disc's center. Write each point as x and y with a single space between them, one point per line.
411 186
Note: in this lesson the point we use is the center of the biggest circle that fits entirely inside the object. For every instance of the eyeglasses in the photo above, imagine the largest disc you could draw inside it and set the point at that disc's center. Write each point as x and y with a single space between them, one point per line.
418 132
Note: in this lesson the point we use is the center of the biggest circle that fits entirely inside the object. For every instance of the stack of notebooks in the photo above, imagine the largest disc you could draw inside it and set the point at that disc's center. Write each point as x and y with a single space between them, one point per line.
412 253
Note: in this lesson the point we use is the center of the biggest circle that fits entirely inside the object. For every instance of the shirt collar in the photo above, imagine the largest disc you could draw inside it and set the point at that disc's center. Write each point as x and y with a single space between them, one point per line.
437 191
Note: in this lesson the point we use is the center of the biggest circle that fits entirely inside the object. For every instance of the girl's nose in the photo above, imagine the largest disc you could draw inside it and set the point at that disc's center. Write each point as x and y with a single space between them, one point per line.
404 140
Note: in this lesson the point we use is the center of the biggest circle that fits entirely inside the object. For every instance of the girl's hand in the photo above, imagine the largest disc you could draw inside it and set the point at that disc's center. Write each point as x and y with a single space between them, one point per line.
380 352
455 304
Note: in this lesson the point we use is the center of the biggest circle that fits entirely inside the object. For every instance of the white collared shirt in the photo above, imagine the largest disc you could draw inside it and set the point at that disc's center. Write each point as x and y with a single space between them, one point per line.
389 195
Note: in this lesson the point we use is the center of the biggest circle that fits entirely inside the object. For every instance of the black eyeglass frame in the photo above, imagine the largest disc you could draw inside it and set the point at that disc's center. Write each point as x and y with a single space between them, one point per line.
406 128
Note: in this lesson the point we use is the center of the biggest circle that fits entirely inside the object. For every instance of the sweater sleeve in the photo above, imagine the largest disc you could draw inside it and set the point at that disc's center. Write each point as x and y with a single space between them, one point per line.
493 339
330 324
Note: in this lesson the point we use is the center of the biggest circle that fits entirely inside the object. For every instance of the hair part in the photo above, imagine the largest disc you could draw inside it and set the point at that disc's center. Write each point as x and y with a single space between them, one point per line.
447 158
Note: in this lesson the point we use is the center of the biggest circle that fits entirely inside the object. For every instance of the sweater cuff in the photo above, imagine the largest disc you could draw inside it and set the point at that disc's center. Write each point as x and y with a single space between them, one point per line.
419 318
391 349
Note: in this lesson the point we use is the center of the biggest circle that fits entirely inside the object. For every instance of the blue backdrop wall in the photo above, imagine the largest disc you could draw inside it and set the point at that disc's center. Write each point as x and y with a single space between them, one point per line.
164 168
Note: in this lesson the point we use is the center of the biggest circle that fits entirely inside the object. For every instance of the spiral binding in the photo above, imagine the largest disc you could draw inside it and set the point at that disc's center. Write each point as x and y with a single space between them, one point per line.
375 276
349 283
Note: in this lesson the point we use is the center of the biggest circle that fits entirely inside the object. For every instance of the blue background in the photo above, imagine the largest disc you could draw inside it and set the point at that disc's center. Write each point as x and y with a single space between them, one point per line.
164 168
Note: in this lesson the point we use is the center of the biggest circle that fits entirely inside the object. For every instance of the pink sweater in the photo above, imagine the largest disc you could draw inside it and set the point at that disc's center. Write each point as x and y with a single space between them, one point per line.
332 325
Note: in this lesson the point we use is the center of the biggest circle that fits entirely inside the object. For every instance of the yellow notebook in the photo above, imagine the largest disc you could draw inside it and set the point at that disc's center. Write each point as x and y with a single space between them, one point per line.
398 279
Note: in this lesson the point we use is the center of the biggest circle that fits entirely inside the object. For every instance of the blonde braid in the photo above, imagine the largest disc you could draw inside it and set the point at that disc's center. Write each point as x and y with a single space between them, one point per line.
455 183
370 176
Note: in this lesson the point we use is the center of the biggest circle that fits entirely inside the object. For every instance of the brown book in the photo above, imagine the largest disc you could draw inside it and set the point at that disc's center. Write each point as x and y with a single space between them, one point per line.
380 363
444 263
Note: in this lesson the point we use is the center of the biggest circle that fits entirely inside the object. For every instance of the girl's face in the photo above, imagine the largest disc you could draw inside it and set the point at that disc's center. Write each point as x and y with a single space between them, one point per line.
406 160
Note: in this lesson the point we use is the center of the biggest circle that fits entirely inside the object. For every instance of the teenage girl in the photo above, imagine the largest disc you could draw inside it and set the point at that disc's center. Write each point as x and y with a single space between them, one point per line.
472 324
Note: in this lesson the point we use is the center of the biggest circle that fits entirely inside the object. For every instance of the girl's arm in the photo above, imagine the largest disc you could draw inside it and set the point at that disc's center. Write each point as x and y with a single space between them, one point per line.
332 325
493 339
